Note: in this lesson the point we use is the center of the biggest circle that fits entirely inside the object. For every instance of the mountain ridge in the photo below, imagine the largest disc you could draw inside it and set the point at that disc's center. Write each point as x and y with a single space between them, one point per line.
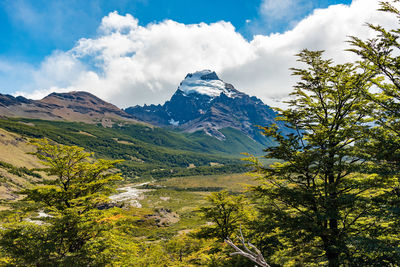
203 102
73 106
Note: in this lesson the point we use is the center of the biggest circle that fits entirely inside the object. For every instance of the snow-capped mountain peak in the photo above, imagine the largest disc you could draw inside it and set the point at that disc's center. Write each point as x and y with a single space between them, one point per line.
203 102
205 82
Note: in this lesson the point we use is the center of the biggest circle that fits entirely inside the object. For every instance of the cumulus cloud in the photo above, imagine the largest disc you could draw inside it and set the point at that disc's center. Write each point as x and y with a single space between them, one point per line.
328 29
129 64
276 16
115 22
278 9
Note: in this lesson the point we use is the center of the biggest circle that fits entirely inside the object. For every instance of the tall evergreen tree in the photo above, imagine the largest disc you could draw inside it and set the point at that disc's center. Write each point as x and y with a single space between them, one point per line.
322 203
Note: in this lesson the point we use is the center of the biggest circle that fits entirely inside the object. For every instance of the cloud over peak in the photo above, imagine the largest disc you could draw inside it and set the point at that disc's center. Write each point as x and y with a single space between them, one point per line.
130 64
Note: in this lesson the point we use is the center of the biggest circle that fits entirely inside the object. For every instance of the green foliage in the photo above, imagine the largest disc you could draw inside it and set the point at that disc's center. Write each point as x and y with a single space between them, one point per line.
226 212
330 197
148 152
316 195
76 181
235 143
71 231
380 55
19 171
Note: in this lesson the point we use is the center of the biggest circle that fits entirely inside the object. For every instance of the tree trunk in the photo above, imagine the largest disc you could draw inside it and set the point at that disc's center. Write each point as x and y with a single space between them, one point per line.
333 242
332 254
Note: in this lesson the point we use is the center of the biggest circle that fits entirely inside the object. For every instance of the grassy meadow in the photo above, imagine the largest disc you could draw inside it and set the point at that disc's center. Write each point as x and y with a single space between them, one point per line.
184 195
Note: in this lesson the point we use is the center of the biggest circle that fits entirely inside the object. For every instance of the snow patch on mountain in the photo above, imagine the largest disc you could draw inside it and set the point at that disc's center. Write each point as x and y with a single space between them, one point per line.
205 82
173 122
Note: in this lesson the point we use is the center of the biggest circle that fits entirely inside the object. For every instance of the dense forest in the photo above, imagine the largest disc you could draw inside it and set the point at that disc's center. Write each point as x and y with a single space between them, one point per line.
147 152
331 197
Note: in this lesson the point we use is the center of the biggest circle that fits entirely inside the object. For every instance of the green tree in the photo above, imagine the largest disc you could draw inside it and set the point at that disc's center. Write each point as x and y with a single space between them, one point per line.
71 231
226 212
381 56
316 195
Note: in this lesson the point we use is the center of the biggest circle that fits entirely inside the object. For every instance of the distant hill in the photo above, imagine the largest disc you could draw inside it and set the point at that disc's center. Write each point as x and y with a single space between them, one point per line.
73 106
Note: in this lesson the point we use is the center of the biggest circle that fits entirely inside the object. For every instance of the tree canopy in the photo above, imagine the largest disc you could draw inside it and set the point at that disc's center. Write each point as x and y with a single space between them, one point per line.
69 232
320 192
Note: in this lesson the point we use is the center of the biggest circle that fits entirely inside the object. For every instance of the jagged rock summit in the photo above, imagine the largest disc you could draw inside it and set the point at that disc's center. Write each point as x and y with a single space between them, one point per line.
203 102
207 83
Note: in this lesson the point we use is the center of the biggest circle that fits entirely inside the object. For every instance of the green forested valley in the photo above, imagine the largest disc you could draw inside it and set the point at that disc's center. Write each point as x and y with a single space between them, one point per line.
326 193
146 151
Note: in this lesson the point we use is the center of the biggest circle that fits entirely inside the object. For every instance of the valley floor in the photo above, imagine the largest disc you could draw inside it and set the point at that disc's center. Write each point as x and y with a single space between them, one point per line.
173 202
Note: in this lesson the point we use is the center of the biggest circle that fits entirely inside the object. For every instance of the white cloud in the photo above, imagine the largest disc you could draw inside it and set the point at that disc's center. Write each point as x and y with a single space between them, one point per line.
276 15
129 64
277 9
115 22
326 29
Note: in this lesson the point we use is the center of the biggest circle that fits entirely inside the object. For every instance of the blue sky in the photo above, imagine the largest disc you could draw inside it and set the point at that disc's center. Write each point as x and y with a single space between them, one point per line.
133 52
32 29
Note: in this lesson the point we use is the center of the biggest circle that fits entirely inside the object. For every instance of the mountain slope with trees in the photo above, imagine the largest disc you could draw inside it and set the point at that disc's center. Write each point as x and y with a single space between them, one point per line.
147 151
331 199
